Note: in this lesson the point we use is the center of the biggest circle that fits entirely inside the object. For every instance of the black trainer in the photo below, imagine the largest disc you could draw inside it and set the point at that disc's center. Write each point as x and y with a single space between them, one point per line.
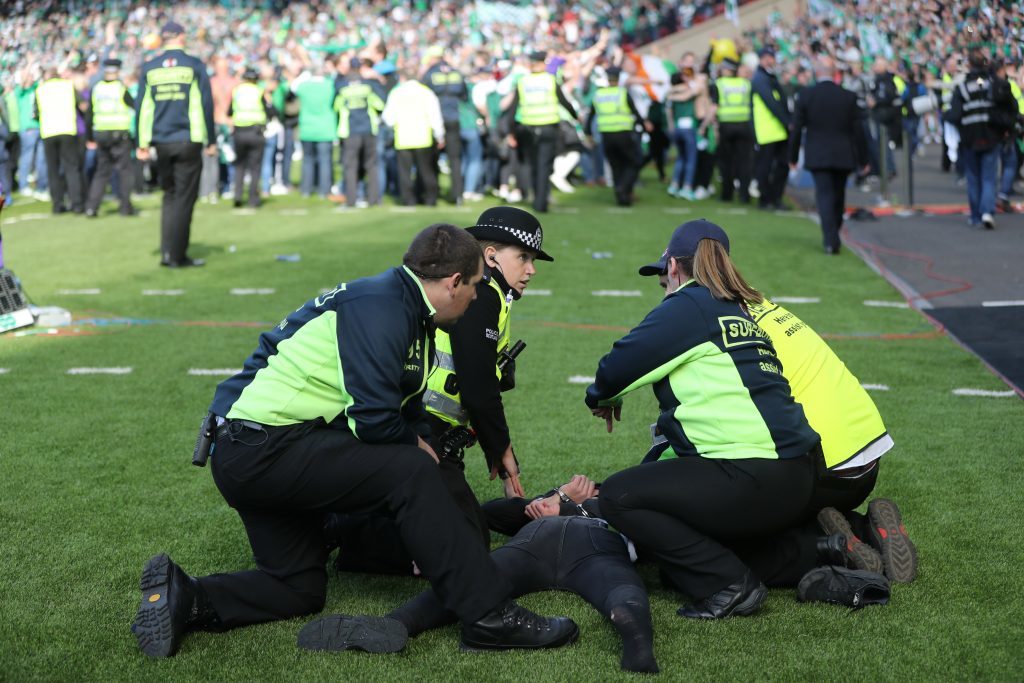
739 599
510 626
841 586
168 598
859 555
341 632
889 536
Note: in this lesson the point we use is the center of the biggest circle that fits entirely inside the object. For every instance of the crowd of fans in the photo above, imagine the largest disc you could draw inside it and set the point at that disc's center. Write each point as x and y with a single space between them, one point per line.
489 44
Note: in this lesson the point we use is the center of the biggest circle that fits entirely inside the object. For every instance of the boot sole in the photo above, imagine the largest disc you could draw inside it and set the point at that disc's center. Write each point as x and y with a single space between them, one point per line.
567 639
339 632
154 626
899 556
858 553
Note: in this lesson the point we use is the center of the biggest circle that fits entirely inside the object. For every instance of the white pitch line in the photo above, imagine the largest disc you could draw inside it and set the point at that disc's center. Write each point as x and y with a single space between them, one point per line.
212 372
294 212
734 212
999 304
676 210
984 392
537 292
617 292
581 379
244 212
876 387
796 300
402 209
99 371
886 304
618 210
163 292
78 292
27 217
4 371
566 209
247 291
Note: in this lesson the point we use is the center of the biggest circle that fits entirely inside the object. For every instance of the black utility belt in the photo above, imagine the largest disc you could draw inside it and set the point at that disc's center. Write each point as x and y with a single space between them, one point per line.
235 427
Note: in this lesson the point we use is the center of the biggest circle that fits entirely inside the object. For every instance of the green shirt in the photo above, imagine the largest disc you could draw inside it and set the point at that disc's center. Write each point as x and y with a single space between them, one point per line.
318 122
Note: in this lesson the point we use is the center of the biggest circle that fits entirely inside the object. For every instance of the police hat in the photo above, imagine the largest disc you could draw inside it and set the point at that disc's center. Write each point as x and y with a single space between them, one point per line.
112 64
509 225
728 63
684 243
250 74
539 56
613 72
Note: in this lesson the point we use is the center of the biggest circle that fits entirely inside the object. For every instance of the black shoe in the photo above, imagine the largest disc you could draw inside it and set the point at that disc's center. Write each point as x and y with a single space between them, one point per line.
238 203
859 555
889 537
832 251
739 599
841 586
184 263
168 597
129 212
366 634
832 550
510 626
57 210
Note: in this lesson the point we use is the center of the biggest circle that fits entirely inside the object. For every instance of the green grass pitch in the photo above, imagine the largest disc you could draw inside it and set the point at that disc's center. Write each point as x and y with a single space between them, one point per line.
95 473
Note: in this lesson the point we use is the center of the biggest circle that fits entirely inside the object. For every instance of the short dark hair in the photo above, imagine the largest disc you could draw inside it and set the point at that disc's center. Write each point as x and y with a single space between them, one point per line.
441 250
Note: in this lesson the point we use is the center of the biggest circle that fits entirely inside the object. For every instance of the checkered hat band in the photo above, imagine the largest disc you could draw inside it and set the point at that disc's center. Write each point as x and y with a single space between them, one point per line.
531 239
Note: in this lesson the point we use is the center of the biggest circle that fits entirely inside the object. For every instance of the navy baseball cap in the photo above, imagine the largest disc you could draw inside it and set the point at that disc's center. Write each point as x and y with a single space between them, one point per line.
684 243
172 28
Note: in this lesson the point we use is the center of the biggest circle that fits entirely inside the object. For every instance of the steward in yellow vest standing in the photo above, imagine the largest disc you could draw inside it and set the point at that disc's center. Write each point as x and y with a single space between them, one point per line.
249 111
770 111
414 112
464 389
56 107
731 94
359 104
109 122
534 110
617 119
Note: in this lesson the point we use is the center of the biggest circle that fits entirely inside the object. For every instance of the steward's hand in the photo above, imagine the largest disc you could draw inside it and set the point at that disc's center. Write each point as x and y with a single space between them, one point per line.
142 153
425 446
513 487
606 413
91 145
211 150
511 140
543 507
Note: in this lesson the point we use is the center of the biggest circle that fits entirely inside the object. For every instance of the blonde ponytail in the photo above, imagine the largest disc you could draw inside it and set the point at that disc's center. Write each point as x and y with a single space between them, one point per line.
711 267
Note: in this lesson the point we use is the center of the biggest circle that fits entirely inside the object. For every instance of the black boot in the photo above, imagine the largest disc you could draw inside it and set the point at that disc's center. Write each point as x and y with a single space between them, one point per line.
832 550
509 626
851 587
739 599
859 555
173 603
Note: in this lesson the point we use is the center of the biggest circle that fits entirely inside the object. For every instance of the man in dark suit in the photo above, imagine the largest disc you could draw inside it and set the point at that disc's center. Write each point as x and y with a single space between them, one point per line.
835 145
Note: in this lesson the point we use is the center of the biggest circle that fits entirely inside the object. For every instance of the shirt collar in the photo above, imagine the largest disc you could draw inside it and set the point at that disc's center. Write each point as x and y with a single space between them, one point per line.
689 282
507 290
423 292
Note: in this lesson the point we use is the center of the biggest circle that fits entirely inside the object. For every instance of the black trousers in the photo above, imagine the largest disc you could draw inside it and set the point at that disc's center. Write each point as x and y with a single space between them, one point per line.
735 152
538 145
178 165
426 175
685 511
249 146
772 171
453 148
64 165
573 554
283 480
114 152
623 153
830 198
781 560
360 151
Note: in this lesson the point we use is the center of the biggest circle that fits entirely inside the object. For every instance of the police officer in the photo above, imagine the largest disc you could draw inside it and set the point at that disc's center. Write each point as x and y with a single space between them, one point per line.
249 111
110 119
617 120
771 124
741 458
731 93
359 104
175 117
320 420
450 87
534 109
56 107
414 112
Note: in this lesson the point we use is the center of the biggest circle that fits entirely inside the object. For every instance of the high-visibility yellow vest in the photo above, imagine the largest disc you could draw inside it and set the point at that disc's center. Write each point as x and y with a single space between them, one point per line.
358 96
1017 95
538 100
55 100
901 87
109 112
834 402
612 109
767 128
247 106
442 397
733 99
412 127
947 94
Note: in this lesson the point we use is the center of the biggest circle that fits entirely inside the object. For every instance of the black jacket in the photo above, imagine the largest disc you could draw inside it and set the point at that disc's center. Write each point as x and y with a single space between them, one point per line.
765 84
981 106
835 130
